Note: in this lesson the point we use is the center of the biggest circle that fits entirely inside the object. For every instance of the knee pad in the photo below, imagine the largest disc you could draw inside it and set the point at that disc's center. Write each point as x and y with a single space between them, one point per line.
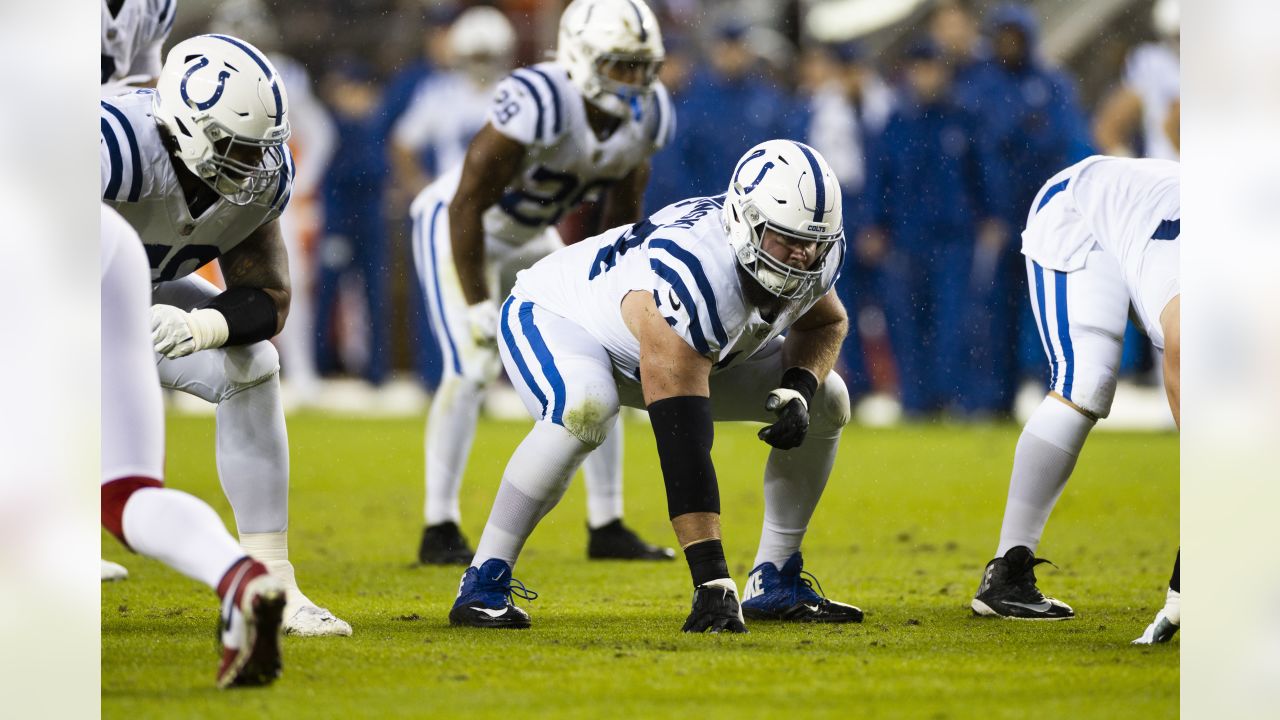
115 494
250 365
1093 387
590 419
830 408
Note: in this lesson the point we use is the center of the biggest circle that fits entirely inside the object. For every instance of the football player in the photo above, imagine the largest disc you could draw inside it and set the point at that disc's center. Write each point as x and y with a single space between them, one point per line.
200 169
684 314
169 525
1101 238
133 32
558 133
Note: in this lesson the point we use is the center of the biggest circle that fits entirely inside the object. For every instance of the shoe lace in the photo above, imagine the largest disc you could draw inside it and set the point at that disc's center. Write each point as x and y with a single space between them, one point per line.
518 589
1026 579
809 582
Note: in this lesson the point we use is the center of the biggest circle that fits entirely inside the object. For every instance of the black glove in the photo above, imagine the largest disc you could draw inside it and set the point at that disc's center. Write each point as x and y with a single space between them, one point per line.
790 402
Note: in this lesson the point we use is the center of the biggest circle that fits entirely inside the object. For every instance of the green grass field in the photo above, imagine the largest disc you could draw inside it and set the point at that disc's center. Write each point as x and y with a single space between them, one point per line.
909 518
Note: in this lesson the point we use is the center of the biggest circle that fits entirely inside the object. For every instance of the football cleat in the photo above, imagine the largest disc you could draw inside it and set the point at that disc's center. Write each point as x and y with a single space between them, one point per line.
774 594
1161 630
249 626
715 609
484 598
1008 590
615 541
315 621
113 571
444 544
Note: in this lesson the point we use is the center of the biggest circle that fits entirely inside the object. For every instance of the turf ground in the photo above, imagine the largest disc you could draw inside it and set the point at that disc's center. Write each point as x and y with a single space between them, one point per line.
908 520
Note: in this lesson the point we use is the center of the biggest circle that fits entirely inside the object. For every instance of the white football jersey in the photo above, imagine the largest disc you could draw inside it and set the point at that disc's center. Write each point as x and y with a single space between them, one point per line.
1118 204
566 163
139 181
131 39
446 111
681 254
1153 71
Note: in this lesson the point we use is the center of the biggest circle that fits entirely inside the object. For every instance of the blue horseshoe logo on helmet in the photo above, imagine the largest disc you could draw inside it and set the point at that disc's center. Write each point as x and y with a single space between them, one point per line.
759 176
223 75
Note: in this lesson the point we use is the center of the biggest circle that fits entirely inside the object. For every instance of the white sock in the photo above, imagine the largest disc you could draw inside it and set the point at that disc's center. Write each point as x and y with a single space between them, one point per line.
1173 607
1045 456
793 484
272 550
602 471
451 427
534 481
181 531
253 457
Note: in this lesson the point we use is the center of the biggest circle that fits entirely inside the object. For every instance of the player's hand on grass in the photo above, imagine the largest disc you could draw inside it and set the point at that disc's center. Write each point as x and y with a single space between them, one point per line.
793 419
483 319
177 333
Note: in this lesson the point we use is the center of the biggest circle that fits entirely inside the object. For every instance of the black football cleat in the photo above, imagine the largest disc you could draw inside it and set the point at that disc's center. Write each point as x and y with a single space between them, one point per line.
484 598
715 609
444 544
1008 590
774 594
615 541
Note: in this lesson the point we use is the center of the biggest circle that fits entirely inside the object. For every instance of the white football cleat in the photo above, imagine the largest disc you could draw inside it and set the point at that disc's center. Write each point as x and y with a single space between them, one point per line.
1161 630
315 621
113 571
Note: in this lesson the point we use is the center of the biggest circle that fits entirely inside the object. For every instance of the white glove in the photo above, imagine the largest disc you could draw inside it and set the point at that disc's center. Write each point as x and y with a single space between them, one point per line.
483 319
177 333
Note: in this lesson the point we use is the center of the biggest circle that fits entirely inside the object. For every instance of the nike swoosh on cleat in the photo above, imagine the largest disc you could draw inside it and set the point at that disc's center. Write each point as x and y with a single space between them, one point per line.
492 613
814 608
1042 606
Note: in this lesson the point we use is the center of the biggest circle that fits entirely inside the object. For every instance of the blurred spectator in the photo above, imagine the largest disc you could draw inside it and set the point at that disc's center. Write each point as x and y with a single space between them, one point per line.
312 144
931 193
450 106
848 112
402 86
668 176
953 27
1030 114
730 107
355 233
1139 110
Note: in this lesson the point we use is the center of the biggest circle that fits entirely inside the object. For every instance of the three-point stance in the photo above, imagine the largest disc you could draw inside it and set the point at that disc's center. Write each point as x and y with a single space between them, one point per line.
199 168
683 314
1101 238
558 133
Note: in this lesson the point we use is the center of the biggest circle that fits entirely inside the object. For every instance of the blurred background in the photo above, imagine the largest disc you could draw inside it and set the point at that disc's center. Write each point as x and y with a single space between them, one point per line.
941 118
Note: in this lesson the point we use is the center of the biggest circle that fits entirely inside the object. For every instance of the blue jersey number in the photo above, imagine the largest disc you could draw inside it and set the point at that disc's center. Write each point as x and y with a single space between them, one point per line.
558 193
506 108
193 257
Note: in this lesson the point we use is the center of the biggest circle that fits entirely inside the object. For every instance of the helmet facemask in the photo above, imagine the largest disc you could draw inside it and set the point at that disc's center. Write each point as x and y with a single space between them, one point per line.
240 168
619 97
774 275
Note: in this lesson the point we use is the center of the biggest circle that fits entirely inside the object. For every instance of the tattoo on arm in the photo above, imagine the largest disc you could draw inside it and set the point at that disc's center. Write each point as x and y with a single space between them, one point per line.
260 261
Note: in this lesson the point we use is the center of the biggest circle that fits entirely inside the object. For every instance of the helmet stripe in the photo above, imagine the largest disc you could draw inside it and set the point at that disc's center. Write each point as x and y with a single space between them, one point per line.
644 34
262 63
817 181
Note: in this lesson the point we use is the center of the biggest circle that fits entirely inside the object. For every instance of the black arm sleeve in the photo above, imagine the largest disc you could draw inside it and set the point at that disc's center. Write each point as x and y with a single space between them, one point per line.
683 429
250 313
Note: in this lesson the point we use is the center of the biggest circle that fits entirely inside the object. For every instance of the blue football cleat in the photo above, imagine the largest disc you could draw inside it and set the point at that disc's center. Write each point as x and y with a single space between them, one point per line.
484 598
774 594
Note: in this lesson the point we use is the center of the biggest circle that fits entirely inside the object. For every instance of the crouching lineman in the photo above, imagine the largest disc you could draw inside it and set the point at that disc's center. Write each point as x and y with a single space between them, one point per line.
683 314
558 133
169 525
199 168
1101 237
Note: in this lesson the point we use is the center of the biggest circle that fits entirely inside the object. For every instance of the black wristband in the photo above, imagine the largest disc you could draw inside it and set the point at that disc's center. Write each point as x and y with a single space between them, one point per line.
684 431
802 381
250 313
706 562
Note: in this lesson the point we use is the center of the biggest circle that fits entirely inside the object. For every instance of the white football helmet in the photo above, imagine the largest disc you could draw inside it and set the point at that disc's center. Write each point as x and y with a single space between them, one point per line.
597 36
224 105
482 43
789 188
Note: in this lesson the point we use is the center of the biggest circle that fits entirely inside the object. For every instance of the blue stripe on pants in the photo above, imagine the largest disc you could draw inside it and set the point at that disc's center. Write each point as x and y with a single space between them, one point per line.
1064 334
435 273
1044 326
510 339
545 360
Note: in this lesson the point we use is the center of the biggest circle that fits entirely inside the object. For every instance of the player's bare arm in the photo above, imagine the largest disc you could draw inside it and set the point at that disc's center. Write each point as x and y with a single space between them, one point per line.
492 160
624 201
261 263
1171 322
813 342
